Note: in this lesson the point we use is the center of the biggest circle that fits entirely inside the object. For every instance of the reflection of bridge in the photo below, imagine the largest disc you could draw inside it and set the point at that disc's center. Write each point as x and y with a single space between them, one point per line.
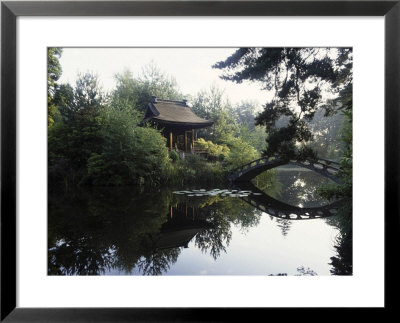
246 172
282 210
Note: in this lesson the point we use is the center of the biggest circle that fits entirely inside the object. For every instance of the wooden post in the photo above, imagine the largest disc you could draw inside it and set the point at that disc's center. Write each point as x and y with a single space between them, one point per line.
186 142
170 141
192 137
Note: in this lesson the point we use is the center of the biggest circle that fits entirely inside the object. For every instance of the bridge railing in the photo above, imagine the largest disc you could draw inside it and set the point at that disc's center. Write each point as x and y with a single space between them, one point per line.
329 162
320 164
329 165
253 163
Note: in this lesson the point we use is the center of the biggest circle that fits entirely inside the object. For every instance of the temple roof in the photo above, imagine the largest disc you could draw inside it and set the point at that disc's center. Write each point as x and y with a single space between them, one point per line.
174 113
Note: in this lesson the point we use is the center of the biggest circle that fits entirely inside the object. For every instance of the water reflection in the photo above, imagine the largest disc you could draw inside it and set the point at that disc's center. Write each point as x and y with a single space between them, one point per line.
297 187
119 231
293 185
342 261
284 210
95 231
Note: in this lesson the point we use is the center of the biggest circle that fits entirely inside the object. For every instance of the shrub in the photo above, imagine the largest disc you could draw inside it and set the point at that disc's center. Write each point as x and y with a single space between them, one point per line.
240 153
173 155
213 149
195 170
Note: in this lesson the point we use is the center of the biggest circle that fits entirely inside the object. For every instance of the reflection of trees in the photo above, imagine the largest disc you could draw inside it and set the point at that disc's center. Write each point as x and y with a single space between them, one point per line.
294 187
80 257
214 240
158 262
221 214
246 217
300 187
342 262
301 271
93 232
217 238
268 183
90 232
284 225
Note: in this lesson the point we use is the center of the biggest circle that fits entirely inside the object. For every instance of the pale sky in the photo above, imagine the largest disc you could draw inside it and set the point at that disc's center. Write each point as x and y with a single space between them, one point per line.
191 67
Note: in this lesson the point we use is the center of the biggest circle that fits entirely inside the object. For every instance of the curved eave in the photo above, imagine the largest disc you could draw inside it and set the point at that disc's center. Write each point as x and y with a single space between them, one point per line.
153 110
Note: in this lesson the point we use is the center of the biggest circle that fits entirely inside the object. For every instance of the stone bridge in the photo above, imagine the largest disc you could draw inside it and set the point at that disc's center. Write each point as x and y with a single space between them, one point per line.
245 173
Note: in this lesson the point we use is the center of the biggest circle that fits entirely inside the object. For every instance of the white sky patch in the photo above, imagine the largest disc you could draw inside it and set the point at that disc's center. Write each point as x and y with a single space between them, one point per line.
191 67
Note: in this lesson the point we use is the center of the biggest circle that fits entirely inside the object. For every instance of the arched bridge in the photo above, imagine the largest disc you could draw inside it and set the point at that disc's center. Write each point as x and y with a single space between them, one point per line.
275 208
326 168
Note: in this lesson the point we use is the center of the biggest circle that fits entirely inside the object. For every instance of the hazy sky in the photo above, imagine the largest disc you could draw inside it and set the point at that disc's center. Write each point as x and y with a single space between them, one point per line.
191 67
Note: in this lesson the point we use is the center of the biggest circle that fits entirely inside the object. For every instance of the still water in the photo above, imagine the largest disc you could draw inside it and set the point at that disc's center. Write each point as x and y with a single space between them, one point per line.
109 231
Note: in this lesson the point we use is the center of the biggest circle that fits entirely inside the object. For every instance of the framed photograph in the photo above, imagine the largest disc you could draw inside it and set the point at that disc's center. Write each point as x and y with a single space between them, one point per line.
193 152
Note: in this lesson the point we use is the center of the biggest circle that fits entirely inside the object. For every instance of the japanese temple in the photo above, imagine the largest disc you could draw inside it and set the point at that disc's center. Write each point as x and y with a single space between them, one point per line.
177 121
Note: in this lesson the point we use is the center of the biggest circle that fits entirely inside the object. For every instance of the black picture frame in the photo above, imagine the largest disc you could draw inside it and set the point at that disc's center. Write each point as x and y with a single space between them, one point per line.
10 10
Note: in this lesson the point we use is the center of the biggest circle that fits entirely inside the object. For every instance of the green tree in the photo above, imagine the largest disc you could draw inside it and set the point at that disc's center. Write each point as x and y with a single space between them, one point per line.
240 153
129 154
83 102
326 131
76 137
207 103
244 114
344 88
212 106
300 77
139 90
54 71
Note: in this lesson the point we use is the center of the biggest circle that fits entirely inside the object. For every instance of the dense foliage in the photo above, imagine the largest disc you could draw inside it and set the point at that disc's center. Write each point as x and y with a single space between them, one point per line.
302 78
139 90
98 139
344 100
53 74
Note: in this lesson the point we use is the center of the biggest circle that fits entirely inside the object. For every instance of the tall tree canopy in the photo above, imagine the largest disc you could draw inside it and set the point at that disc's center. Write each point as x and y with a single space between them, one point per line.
302 79
139 90
53 74
97 140
76 104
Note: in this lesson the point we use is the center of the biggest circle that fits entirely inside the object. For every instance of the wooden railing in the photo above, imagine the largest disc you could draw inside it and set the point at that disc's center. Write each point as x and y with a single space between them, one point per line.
200 151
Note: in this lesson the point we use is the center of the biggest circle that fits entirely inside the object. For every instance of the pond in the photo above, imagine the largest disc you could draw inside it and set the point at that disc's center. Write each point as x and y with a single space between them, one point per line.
273 226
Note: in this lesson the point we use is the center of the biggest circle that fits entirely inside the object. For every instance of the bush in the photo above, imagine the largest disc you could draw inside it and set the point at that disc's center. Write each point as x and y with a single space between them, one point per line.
173 155
195 170
213 149
110 149
240 153
130 155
